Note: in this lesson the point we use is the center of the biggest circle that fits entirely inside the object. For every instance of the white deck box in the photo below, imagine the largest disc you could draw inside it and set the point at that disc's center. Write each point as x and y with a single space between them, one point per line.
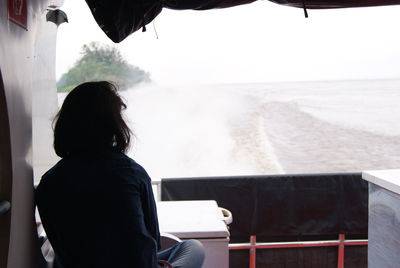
201 220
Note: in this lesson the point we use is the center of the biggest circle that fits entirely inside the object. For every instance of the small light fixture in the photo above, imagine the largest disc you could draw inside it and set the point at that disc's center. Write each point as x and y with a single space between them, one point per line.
56 16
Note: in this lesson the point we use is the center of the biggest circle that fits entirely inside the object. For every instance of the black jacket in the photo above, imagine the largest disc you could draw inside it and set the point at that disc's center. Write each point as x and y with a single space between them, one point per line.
99 211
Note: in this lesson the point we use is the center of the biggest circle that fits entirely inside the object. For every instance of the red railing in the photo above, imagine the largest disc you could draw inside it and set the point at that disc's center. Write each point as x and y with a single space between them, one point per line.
340 243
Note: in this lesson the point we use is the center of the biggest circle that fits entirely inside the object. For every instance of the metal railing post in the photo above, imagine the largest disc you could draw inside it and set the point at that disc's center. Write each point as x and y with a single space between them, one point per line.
341 251
253 243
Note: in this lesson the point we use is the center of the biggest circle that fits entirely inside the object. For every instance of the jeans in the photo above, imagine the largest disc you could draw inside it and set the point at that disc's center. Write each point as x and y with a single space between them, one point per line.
186 254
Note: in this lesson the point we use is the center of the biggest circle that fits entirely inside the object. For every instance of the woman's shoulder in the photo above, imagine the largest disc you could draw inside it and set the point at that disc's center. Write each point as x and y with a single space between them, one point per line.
52 171
110 167
101 160
120 160
128 168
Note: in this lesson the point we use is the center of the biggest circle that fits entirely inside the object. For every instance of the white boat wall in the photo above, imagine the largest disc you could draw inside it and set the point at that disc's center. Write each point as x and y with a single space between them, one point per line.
27 73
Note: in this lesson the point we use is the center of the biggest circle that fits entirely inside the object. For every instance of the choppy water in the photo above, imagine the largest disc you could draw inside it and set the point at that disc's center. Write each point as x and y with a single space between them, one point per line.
266 128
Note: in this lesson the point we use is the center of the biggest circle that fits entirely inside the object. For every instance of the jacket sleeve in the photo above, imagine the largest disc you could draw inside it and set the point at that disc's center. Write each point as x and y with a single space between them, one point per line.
138 245
149 207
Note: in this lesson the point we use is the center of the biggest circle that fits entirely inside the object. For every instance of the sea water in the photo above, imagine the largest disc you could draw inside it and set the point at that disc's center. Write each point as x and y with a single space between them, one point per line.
265 128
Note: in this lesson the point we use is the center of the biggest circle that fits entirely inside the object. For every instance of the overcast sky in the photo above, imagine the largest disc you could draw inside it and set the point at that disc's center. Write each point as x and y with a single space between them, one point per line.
259 42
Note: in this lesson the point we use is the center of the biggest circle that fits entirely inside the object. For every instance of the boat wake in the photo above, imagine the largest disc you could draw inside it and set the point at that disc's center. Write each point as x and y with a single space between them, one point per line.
252 129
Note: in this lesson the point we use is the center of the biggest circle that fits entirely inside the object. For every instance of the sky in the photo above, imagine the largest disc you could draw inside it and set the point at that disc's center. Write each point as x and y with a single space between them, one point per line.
258 42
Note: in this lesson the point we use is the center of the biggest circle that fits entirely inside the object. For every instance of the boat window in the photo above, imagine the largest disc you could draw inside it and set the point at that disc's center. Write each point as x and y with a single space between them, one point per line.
256 89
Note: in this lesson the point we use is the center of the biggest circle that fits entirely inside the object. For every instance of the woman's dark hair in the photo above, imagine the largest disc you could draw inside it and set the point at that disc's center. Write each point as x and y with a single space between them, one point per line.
90 120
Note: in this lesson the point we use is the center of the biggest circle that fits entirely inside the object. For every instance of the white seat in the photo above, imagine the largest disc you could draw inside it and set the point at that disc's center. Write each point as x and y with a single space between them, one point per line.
168 240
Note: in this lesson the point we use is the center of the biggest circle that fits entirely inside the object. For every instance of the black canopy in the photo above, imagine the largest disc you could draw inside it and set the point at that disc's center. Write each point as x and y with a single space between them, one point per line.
120 18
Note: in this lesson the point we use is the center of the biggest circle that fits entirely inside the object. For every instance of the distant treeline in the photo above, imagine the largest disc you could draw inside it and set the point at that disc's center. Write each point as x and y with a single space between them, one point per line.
101 62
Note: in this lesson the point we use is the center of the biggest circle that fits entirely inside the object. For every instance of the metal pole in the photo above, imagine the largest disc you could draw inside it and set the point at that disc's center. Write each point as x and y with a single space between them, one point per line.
341 251
253 242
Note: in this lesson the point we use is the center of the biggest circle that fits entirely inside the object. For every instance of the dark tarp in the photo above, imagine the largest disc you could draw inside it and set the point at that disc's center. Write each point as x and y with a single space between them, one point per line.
322 4
283 207
120 18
